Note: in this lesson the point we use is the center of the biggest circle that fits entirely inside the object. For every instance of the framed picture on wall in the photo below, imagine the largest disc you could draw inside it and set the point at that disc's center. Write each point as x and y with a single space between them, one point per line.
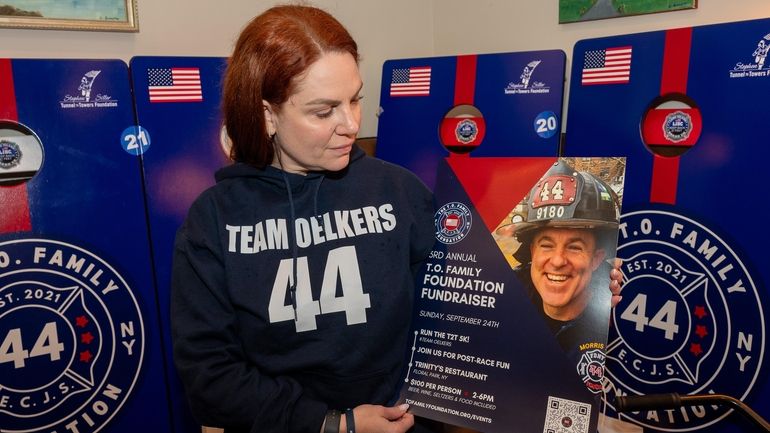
585 10
98 15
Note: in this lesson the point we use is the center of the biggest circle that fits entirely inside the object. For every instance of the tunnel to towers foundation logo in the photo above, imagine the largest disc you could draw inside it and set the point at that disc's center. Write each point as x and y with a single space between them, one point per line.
71 338
690 321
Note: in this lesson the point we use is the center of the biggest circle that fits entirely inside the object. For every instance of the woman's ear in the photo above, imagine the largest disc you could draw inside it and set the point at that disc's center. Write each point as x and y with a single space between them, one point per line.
270 118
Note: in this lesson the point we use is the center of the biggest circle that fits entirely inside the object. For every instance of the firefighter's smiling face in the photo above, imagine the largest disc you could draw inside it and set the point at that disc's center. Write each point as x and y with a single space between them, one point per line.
563 261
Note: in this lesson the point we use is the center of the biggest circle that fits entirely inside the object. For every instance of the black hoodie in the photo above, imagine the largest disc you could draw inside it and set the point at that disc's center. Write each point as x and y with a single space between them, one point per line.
256 352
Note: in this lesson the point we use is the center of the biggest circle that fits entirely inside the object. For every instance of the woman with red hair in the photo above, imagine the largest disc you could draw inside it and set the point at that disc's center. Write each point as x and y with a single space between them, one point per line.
293 276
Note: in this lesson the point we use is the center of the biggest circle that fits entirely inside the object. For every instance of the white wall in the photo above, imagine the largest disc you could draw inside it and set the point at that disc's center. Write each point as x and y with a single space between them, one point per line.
384 29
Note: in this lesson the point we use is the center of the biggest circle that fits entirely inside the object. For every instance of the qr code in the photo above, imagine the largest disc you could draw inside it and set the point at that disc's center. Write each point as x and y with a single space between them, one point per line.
566 416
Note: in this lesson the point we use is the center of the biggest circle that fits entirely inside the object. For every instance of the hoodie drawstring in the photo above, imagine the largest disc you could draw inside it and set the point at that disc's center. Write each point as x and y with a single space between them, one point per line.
315 196
294 252
293 236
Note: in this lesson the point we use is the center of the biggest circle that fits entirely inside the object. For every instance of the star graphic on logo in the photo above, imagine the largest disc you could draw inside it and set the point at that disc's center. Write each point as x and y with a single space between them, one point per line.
85 356
86 338
81 321
701 331
700 312
695 349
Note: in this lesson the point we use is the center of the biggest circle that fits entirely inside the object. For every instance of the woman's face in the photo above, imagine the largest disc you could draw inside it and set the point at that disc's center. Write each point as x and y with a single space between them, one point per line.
316 127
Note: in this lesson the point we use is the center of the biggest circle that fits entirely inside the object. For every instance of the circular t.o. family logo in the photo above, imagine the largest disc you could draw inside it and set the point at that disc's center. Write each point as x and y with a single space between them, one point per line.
690 321
453 222
71 338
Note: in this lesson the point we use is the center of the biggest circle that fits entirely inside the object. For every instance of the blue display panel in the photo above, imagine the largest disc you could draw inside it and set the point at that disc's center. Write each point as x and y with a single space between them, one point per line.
178 105
79 349
507 104
685 106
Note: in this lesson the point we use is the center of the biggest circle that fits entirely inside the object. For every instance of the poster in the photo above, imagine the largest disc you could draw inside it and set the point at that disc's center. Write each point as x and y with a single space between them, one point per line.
513 305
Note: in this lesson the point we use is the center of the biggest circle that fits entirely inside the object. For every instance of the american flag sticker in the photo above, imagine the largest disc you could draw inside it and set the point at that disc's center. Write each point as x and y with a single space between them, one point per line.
413 81
175 84
608 66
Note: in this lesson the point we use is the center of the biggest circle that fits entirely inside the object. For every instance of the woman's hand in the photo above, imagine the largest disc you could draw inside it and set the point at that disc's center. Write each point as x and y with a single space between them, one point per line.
616 277
380 419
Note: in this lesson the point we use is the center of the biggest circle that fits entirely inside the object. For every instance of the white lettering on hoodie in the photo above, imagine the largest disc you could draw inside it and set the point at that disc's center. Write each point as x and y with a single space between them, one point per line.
272 233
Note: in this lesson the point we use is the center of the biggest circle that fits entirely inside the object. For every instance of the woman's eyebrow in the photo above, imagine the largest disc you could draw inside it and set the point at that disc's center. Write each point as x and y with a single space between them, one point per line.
324 101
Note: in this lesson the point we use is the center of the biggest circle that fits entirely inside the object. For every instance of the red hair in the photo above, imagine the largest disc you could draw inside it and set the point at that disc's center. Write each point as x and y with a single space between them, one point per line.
271 54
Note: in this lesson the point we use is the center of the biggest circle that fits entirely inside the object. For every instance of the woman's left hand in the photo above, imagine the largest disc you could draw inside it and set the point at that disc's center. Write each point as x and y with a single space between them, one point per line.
616 277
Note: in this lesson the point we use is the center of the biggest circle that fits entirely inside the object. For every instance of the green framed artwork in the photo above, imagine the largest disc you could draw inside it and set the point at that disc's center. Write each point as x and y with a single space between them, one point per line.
586 10
99 15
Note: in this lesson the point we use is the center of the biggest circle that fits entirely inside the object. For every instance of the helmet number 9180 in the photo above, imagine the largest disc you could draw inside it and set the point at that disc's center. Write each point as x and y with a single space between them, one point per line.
550 212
